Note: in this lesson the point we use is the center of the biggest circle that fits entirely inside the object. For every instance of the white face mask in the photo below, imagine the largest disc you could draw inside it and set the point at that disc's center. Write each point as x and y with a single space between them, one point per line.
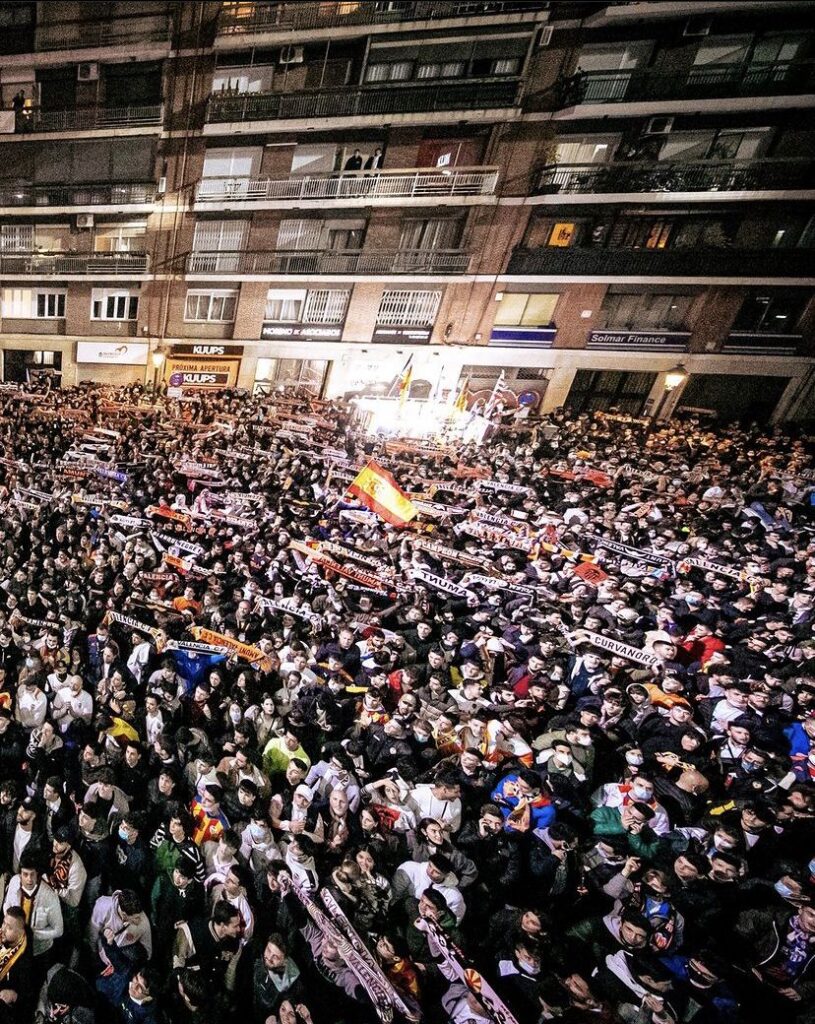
642 793
634 759
563 759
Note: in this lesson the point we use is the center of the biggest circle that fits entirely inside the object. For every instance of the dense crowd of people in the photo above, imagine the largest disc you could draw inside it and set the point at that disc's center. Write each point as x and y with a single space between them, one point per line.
544 752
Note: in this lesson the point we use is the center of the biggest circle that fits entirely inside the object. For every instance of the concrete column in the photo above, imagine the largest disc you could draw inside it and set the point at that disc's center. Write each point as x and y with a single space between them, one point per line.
557 389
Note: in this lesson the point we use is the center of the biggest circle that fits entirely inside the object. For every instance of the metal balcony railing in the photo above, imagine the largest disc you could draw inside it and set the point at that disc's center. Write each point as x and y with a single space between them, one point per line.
705 81
368 185
768 174
77 195
243 18
386 261
690 262
47 264
373 100
134 30
33 119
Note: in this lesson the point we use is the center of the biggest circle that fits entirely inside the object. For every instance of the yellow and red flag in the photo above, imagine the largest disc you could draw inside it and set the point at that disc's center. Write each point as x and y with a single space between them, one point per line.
405 382
378 491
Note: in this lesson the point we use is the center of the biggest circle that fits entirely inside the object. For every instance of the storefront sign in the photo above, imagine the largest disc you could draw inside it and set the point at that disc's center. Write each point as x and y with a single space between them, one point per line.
196 379
639 341
227 351
201 373
119 353
400 335
301 332
523 337
761 345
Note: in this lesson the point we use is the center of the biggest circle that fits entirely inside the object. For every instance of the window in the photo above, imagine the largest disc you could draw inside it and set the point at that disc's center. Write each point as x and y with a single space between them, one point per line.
220 235
17 238
395 71
212 307
587 149
295 305
436 233
506 67
412 308
232 162
647 311
285 304
519 309
450 69
120 237
28 304
304 373
310 235
607 390
107 304
326 306
771 311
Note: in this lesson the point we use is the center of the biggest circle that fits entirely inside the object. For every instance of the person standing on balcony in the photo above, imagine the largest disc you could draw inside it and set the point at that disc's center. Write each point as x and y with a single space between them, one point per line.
375 160
354 162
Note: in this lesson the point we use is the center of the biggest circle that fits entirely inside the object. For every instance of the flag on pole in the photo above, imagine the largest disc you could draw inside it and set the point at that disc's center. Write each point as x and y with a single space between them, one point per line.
460 404
378 491
405 382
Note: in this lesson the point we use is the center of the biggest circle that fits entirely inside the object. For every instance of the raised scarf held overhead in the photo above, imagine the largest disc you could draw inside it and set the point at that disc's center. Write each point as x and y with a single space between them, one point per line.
246 652
9 955
165 512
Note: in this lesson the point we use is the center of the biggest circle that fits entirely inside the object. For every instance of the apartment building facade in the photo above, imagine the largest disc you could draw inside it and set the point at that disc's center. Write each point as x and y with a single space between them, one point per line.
579 196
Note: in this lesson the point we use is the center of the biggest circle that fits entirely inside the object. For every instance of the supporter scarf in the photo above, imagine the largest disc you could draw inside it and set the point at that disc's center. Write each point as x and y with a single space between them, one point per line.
276 606
498 583
436 509
60 871
165 512
110 474
357 556
126 620
366 578
495 485
448 554
182 545
131 522
238 521
631 553
191 645
246 652
718 568
616 647
9 955
440 583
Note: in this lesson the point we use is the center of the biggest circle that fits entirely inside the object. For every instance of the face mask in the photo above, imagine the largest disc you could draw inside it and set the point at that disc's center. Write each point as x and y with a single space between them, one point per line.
750 766
634 759
783 890
811 866
235 714
123 835
586 741
723 845
641 793
563 759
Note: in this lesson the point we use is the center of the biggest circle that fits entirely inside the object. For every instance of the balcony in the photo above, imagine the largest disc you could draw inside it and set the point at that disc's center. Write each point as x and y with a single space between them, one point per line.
244 19
361 187
33 119
132 32
49 197
772 174
372 101
314 262
696 263
705 81
57 264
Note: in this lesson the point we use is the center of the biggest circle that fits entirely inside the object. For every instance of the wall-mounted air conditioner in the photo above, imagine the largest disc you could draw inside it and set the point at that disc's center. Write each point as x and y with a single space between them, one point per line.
84 220
291 55
659 126
88 72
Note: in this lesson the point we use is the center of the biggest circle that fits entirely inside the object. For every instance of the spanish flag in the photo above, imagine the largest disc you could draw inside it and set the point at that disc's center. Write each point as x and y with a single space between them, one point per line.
378 491
405 382
460 404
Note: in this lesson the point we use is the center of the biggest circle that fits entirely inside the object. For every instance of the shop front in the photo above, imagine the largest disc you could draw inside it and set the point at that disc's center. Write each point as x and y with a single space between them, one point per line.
201 367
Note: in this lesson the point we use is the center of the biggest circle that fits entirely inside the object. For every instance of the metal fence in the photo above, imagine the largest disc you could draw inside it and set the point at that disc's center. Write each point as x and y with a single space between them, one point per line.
57 263
77 195
370 185
388 261
379 99
34 119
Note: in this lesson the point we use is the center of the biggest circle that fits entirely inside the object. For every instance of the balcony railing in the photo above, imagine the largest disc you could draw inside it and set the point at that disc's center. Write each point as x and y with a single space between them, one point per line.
769 174
374 100
33 119
77 195
386 261
690 262
242 18
70 35
705 81
48 264
368 185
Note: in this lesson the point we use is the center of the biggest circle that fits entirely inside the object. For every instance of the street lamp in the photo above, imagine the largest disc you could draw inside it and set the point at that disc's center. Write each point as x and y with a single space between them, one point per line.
673 378
158 362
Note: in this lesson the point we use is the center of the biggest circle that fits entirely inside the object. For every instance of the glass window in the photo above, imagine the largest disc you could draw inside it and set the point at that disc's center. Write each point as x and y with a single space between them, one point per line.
396 71
326 306
646 311
771 311
506 67
521 309
409 308
50 305
432 234
114 305
285 304
217 307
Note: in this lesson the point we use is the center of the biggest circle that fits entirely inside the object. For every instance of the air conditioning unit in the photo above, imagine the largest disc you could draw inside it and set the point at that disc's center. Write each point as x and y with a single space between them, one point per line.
84 220
87 72
696 27
161 188
291 55
659 126
545 36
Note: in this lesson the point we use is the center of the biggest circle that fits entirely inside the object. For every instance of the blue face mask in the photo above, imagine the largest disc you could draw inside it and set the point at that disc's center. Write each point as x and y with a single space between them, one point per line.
749 766
783 890
811 866
123 835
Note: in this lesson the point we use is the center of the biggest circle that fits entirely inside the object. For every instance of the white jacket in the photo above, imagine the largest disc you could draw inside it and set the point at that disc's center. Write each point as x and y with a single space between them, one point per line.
46 914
